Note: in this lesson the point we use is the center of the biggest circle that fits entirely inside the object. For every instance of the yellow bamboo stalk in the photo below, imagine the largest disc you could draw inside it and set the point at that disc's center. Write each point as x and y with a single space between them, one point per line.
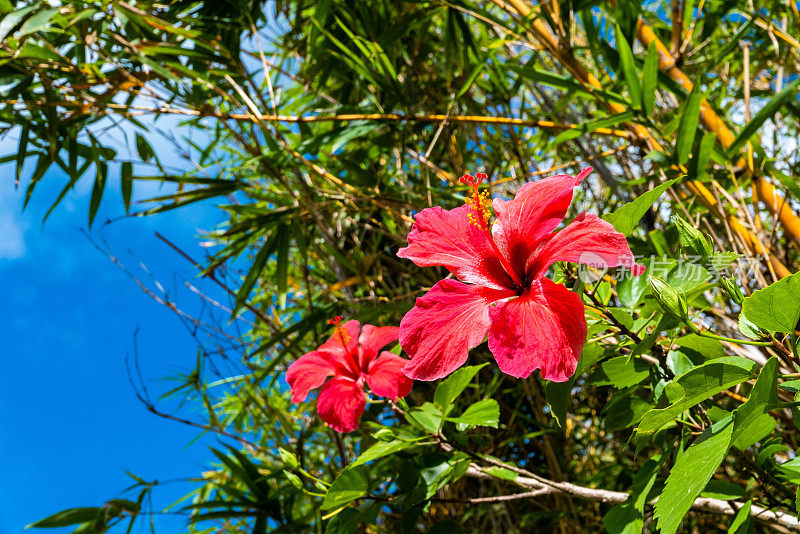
347 117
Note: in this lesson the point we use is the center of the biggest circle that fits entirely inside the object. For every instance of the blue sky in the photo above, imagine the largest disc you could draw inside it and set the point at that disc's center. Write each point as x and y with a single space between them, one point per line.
72 424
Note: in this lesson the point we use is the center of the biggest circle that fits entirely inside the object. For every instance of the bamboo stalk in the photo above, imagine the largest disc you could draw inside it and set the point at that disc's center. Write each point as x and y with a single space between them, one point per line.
347 117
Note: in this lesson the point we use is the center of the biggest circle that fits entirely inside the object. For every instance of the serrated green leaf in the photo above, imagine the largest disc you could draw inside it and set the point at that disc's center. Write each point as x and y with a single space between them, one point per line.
620 372
628 517
452 386
351 484
696 386
751 420
775 308
485 412
692 471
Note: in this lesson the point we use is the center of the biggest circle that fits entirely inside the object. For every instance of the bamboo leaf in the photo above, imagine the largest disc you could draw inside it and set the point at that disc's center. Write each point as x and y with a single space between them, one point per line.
97 190
687 128
769 109
126 178
628 66
650 79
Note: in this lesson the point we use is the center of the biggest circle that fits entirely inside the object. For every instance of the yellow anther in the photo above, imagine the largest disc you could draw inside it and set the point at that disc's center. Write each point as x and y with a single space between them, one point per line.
480 203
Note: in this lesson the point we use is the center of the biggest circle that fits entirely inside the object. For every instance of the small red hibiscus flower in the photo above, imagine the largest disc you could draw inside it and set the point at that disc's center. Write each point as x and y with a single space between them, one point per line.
351 357
532 322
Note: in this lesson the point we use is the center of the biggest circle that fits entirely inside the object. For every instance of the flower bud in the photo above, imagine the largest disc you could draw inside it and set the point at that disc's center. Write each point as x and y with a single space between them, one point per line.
732 288
693 241
289 459
669 300
293 479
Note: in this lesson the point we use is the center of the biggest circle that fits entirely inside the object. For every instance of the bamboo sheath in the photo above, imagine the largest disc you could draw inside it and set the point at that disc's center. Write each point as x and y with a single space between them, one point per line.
709 119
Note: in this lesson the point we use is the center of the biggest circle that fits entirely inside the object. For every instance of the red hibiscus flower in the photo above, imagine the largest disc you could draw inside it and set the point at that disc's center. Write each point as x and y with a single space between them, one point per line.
532 322
351 358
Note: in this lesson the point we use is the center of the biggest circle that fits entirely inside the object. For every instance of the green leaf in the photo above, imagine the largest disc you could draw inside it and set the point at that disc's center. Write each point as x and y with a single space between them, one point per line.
345 522
126 177
97 191
625 219
775 308
22 152
428 417
628 517
699 348
631 289
699 161
588 127
379 450
282 267
628 65
769 109
452 386
12 19
558 395
692 471
687 127
501 472
751 420
748 329
721 489
624 410
37 22
143 148
351 484
620 372
650 79
696 386
485 412
256 268
73 516
743 522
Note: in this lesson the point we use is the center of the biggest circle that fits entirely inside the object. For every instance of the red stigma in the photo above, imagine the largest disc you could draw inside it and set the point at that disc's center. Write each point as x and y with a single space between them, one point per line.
473 181
336 321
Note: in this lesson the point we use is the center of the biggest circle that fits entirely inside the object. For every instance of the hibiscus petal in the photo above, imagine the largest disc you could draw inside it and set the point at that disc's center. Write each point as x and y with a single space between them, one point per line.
588 240
443 325
544 328
342 348
536 210
308 372
386 378
341 403
448 238
372 340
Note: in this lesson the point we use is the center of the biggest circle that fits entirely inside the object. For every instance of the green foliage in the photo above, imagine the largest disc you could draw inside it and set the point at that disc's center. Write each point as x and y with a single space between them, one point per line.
775 308
319 128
